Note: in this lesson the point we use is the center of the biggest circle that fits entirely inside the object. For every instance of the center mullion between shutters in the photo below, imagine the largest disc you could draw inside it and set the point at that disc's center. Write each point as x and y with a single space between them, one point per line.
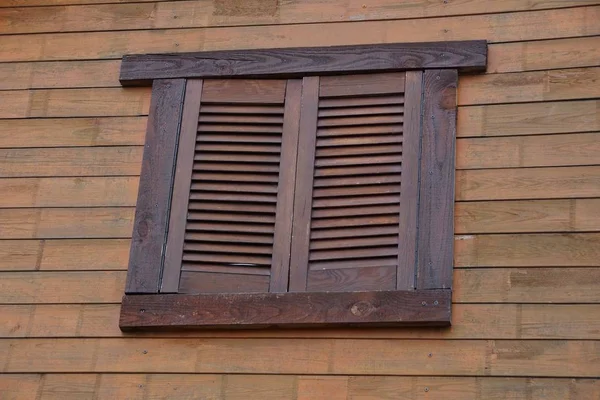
280 264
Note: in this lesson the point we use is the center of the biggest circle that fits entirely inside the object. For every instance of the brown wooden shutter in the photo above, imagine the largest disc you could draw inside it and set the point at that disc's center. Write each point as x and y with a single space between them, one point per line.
347 219
230 224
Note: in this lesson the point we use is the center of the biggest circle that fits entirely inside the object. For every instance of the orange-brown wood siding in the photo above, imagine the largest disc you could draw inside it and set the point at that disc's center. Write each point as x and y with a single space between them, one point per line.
526 313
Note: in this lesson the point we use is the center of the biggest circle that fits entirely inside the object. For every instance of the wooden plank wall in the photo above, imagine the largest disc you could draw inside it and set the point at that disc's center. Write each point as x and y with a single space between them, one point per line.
526 318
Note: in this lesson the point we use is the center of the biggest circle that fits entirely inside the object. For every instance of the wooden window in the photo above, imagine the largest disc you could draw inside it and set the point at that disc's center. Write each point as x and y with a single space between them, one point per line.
297 187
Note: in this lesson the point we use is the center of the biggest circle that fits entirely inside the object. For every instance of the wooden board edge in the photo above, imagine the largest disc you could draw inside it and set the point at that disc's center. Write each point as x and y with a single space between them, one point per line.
437 176
287 310
181 186
465 56
146 254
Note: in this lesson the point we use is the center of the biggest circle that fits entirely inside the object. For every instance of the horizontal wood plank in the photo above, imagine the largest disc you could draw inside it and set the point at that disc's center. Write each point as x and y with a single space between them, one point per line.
64 254
60 74
528 151
287 310
65 161
528 250
529 118
544 54
95 102
67 132
524 216
527 216
528 183
469 321
305 387
186 14
502 57
296 62
69 192
502 27
561 84
528 285
479 285
47 223
549 358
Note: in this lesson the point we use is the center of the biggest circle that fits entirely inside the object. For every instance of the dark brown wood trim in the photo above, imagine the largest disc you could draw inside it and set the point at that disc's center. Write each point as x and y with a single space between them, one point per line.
181 187
436 199
409 195
138 70
152 209
304 185
280 265
287 310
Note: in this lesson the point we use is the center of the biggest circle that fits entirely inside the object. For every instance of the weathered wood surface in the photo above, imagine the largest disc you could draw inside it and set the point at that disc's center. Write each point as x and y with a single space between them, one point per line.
502 57
287 310
297 62
154 196
61 286
469 321
190 14
550 358
503 27
477 285
528 250
239 387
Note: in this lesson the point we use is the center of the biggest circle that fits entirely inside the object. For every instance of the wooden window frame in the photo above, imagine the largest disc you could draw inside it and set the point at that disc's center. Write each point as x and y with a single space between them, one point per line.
422 298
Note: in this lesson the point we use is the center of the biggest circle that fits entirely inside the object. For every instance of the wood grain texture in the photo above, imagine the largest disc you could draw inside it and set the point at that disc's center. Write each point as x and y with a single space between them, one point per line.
544 54
469 321
502 57
305 387
409 195
436 196
561 84
529 119
56 223
527 285
241 310
186 14
71 132
550 358
64 254
527 216
297 62
68 192
62 74
503 27
529 151
154 196
528 250
282 246
184 162
65 161
96 102
304 185
528 183
479 285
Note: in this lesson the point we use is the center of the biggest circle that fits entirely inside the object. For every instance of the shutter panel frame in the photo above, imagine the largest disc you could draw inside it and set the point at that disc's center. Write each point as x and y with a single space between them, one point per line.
421 292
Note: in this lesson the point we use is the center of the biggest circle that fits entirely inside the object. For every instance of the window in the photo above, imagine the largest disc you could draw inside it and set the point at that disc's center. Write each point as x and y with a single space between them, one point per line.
297 187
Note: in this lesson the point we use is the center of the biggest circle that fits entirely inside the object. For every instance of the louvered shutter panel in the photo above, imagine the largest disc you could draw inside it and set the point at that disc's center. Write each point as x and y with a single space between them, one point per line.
352 224
231 210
